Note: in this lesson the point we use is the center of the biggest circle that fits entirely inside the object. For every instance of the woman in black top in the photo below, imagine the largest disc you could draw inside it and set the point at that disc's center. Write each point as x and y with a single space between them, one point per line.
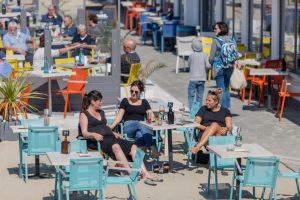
214 120
132 111
93 127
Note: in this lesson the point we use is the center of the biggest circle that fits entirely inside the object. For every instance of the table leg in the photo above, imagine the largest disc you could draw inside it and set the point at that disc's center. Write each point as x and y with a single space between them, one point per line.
37 166
238 173
170 146
216 178
49 97
21 156
269 90
59 185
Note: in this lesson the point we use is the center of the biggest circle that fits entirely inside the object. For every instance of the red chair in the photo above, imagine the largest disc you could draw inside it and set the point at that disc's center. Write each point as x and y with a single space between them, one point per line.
262 81
76 85
283 94
248 78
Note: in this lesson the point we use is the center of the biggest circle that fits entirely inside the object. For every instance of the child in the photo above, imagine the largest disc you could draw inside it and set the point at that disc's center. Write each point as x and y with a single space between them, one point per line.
198 63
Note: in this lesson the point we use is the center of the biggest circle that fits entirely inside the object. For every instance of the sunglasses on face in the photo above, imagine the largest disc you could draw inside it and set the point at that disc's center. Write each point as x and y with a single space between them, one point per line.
134 91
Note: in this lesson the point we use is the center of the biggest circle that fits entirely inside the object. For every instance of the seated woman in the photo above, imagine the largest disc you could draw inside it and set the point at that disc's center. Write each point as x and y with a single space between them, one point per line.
93 127
214 120
132 111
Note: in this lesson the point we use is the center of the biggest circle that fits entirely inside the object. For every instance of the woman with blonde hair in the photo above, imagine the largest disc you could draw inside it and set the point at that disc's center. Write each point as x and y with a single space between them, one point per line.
214 120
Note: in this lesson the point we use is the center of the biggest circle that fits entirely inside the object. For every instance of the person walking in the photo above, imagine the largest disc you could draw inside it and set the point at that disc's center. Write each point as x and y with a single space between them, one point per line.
223 54
198 63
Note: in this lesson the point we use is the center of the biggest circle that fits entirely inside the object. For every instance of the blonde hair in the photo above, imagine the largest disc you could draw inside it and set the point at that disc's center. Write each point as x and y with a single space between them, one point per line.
216 94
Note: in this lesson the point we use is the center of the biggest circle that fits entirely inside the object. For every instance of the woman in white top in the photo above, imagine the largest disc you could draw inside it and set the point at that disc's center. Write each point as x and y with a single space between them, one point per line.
38 57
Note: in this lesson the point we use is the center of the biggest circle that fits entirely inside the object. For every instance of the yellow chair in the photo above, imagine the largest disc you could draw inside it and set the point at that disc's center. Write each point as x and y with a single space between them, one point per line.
133 75
241 47
9 52
206 40
207 51
1 44
58 61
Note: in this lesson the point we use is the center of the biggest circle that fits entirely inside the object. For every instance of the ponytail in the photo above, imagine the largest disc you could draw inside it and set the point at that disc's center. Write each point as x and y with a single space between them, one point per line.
85 103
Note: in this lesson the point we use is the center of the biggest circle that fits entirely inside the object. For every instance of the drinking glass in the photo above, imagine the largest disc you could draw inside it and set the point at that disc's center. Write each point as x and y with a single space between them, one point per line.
182 109
161 111
149 118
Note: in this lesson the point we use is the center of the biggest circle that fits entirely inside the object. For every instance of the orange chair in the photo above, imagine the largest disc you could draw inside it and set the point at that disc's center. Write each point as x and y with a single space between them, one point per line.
25 99
248 78
133 15
76 85
262 81
282 96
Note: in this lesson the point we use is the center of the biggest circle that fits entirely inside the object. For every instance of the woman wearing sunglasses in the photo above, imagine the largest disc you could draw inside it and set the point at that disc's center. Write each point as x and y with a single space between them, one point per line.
214 120
93 127
132 111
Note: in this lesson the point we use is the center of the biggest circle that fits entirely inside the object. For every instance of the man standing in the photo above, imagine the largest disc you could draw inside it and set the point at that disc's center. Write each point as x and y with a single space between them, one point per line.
5 68
52 17
129 57
16 41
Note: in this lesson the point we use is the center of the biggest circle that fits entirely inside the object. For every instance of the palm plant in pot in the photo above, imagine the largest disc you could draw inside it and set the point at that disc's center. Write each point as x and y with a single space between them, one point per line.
15 93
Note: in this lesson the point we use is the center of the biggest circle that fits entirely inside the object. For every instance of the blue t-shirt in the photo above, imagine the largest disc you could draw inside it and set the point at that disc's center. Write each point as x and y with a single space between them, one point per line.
5 70
70 31
18 41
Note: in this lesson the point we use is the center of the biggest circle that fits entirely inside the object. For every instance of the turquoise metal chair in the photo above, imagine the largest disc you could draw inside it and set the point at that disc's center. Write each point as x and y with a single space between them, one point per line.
259 172
131 179
189 134
23 139
40 141
85 174
76 146
292 175
216 163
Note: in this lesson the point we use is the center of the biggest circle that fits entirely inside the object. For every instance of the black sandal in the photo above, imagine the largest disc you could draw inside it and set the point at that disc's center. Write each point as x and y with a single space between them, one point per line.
150 182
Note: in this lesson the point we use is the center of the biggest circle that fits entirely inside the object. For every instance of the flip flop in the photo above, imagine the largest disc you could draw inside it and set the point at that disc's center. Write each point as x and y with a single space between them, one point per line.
156 180
149 182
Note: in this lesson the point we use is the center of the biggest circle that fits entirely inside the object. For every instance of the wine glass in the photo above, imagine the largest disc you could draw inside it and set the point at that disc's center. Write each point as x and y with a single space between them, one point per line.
181 109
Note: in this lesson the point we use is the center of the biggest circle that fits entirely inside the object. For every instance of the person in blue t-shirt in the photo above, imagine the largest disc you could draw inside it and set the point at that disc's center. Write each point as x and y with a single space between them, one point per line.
5 68
70 29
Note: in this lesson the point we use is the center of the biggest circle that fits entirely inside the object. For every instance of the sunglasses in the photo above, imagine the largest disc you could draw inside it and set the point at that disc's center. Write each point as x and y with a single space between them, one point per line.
134 91
212 92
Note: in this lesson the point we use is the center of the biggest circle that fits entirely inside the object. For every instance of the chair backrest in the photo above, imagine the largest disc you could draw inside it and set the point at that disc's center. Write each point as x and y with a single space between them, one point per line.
137 164
221 140
273 64
42 139
25 94
86 174
184 44
206 50
241 47
169 28
261 172
194 109
9 52
134 73
76 146
32 122
81 75
206 40
64 60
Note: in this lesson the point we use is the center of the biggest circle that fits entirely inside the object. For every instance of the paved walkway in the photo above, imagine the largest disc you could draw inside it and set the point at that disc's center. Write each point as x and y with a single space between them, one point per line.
258 125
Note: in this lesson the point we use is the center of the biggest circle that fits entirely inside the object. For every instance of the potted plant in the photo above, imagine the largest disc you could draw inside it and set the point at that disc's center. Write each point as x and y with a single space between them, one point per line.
14 94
